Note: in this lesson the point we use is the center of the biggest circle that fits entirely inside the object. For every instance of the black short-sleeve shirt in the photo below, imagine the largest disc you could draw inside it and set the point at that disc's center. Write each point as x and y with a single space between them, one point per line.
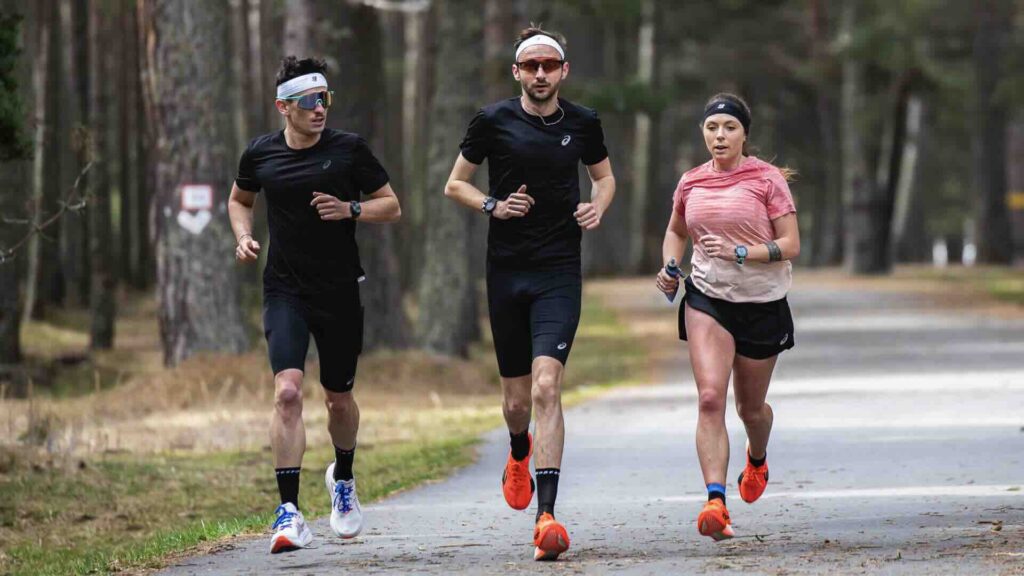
307 255
521 149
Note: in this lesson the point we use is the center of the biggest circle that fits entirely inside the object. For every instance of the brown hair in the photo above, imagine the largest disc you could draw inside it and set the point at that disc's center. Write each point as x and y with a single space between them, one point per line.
787 172
534 30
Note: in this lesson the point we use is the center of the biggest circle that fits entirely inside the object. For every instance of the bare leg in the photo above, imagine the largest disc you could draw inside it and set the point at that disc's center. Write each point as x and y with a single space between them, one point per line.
750 385
517 403
711 355
287 432
547 397
342 418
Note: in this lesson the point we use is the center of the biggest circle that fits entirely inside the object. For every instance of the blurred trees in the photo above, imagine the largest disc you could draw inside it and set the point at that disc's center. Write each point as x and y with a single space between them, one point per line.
898 116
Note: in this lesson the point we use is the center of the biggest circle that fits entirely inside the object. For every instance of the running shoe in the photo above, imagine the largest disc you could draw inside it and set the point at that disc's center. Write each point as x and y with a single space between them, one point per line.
346 515
714 521
549 537
516 482
290 530
753 480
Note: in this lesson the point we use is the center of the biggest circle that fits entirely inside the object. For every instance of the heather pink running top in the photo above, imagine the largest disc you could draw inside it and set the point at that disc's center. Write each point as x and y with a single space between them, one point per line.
739 206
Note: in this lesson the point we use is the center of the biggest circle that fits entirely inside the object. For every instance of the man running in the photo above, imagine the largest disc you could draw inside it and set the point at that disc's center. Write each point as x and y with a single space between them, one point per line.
534 144
312 178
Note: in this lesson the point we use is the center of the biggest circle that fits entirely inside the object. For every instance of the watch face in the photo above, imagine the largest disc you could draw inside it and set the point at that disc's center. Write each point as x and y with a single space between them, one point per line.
741 251
489 204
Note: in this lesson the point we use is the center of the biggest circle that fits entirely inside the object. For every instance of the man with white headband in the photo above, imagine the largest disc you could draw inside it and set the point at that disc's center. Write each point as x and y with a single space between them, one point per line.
312 177
534 144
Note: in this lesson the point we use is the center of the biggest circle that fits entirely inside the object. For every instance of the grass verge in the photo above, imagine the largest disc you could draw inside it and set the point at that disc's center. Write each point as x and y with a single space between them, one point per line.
112 512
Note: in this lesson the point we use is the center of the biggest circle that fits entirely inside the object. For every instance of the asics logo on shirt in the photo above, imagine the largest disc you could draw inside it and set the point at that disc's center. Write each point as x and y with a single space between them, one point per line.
784 340
327 164
562 346
565 141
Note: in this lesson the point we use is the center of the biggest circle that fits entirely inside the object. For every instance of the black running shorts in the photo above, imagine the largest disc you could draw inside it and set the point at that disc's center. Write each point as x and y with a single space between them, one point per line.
761 329
533 313
336 323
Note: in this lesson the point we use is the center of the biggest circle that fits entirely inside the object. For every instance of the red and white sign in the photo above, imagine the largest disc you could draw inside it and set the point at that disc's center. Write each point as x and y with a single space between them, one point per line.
196 197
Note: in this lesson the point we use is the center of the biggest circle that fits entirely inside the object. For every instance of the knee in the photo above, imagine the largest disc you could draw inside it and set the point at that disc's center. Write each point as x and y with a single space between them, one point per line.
288 397
517 407
546 391
750 412
711 402
340 405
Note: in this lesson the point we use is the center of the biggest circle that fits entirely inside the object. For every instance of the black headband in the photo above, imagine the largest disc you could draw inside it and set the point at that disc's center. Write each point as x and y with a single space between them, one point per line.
728 107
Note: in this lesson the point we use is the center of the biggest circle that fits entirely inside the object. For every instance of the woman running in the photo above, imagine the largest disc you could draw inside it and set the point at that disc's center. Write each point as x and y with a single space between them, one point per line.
739 212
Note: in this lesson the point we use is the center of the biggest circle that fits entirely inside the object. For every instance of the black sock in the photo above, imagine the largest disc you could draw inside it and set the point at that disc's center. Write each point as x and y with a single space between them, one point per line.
520 444
288 484
343 463
547 490
757 462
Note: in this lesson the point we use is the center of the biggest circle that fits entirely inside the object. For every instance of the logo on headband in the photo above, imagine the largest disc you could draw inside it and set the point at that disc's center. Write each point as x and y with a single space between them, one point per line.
722 105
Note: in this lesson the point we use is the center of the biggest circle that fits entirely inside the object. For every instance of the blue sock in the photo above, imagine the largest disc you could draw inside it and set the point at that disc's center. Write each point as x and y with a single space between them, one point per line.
716 490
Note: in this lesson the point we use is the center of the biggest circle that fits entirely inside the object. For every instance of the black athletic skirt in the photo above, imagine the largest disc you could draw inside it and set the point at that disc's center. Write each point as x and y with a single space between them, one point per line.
761 329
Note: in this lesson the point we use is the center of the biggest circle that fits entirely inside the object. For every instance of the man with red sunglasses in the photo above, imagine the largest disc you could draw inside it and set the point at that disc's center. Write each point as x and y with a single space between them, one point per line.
534 144
312 177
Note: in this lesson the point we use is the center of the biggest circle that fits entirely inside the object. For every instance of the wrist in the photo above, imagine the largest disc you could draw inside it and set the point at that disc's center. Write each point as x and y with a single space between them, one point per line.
244 236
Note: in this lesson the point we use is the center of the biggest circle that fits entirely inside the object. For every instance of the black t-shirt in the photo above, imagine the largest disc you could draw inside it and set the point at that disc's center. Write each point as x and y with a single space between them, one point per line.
307 255
520 149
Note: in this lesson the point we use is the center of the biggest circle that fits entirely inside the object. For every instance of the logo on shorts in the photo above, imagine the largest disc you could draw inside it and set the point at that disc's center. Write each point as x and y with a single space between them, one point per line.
327 165
565 141
784 340
563 346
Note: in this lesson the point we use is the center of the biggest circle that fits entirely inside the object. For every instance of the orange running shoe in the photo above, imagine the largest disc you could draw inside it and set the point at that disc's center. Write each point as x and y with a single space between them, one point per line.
714 521
753 481
516 482
549 537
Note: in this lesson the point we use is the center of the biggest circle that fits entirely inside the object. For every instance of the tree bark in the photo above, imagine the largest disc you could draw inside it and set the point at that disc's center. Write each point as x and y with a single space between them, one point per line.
639 192
909 243
40 69
988 133
444 324
75 227
196 277
101 271
858 184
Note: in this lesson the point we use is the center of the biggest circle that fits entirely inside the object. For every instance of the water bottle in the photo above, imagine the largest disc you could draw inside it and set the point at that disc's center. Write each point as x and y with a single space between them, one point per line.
673 270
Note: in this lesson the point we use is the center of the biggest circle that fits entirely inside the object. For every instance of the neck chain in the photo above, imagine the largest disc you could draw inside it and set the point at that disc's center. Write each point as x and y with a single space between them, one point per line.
545 122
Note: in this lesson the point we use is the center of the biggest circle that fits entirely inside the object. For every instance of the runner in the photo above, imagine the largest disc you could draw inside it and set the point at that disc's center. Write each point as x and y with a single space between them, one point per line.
312 178
534 144
740 213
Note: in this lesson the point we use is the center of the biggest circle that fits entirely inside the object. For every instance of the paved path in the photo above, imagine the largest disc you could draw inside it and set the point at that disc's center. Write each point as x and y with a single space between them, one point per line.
898 449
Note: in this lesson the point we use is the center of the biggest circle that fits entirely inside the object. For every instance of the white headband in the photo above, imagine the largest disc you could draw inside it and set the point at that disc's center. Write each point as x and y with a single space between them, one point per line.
540 40
301 84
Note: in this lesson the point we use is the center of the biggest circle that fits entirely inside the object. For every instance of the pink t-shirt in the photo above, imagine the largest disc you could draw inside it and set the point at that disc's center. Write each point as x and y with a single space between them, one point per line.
738 205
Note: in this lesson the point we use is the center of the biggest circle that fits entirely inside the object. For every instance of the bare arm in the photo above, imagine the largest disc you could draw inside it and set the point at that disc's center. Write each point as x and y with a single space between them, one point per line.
674 246
382 207
460 189
240 204
588 214
787 238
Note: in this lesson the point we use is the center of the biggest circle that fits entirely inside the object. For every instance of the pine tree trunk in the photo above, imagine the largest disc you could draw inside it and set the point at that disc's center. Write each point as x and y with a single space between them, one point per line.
988 133
40 69
75 227
196 276
444 322
101 257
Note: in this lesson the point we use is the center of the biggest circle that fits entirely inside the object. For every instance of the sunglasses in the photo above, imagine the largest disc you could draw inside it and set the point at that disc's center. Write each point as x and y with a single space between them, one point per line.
548 64
310 101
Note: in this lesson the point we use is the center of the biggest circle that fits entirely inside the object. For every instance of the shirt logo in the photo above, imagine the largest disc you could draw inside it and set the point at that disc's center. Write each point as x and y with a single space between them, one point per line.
562 346
327 165
784 340
565 141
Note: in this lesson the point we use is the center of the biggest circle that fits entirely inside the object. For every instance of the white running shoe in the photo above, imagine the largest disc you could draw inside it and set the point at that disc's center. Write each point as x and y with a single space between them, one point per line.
290 530
346 515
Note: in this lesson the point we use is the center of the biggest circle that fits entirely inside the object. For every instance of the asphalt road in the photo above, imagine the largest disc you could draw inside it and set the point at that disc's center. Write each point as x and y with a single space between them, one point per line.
898 449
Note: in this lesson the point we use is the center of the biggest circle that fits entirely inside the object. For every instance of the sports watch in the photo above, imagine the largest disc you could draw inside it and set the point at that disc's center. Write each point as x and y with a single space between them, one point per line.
741 254
356 208
490 203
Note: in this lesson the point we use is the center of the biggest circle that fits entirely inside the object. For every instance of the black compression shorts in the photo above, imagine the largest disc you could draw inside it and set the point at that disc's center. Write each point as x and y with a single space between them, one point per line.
533 313
334 320
760 329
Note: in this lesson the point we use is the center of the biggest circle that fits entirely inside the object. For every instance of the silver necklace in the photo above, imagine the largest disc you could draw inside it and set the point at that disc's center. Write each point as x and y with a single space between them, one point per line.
544 122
